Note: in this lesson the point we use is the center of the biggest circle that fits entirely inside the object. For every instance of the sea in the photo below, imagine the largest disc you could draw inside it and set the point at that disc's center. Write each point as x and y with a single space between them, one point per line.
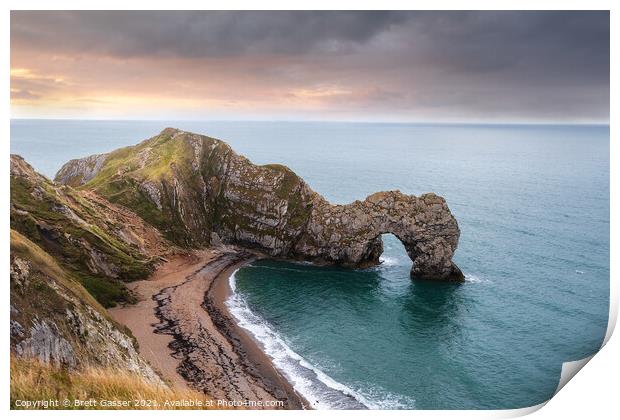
532 203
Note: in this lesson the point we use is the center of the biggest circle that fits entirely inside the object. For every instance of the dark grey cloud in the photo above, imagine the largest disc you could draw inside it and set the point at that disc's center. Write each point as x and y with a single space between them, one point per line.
196 34
508 64
552 65
577 43
471 40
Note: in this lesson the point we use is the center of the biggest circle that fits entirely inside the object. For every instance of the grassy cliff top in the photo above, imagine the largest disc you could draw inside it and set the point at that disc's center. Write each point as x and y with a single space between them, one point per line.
187 185
152 159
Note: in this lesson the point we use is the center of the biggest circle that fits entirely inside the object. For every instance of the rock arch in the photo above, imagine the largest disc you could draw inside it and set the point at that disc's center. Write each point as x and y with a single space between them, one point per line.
350 234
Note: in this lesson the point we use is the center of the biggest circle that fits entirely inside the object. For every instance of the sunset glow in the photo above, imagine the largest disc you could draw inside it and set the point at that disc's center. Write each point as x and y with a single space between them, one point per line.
305 65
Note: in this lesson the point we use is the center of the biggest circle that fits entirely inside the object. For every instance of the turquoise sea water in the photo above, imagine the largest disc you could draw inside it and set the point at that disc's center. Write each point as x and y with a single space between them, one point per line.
532 203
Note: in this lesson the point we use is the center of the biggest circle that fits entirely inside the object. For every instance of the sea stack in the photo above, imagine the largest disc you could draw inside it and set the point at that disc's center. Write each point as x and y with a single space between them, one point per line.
194 188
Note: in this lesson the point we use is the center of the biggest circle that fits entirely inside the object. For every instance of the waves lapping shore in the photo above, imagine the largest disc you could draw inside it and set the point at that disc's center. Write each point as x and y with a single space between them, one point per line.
321 391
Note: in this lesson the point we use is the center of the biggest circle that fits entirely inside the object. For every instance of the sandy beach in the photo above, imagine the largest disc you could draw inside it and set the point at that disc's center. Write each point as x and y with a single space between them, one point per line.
186 332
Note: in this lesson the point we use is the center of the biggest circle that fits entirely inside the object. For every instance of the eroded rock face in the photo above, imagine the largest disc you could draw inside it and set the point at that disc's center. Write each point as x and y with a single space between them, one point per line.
191 186
55 320
81 170
351 234
46 344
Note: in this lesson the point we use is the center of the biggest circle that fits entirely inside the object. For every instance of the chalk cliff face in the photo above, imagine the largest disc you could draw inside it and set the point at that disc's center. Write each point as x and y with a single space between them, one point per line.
55 320
196 190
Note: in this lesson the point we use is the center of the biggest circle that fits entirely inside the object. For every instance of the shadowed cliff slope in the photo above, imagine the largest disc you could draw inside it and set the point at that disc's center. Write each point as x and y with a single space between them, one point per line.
55 320
197 191
102 244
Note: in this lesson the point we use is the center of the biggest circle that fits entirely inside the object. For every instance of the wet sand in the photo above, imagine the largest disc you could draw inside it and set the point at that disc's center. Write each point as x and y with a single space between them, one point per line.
186 332
140 318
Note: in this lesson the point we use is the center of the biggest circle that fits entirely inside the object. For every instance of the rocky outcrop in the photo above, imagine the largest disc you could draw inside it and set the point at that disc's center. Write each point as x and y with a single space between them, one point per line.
191 187
55 320
351 234
81 171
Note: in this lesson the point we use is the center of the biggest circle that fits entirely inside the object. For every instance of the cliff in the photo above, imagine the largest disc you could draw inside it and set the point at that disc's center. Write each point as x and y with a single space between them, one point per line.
197 191
71 254
102 244
56 321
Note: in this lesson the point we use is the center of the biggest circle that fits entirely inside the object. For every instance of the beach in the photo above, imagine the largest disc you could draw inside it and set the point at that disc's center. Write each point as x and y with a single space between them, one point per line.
185 331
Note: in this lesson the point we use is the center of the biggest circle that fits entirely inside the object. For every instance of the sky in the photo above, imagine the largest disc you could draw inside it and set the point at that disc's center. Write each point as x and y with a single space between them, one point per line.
496 67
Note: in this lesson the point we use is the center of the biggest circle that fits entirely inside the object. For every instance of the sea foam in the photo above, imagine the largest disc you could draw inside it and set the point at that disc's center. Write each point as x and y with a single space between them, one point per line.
321 391
472 278
388 261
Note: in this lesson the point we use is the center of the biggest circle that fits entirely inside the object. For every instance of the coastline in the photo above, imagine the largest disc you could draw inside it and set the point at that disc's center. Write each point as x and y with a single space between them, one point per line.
186 332
319 390
259 361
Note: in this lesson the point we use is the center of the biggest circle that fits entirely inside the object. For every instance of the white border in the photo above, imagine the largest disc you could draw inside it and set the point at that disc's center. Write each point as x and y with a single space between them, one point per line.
593 394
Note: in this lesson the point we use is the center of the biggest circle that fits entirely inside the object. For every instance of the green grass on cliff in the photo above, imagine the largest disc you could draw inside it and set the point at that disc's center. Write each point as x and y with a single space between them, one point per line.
157 161
167 163
36 214
118 160
43 291
39 294
163 151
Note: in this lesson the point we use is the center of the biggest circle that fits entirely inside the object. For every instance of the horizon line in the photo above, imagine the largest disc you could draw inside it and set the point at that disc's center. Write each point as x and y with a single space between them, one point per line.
490 123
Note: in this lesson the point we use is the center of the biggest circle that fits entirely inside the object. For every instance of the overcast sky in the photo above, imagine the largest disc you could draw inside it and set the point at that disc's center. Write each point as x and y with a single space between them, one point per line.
362 66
